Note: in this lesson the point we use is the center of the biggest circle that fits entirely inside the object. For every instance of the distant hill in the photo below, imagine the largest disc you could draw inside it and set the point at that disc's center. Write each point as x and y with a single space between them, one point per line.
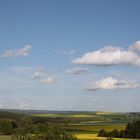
30 112
10 115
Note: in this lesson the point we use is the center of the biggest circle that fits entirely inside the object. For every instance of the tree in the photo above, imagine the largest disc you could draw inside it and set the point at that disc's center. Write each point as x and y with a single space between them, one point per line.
24 130
28 131
6 127
102 133
133 129
115 133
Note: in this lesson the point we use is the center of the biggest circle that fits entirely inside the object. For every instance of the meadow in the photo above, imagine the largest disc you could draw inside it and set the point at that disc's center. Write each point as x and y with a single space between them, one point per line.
5 137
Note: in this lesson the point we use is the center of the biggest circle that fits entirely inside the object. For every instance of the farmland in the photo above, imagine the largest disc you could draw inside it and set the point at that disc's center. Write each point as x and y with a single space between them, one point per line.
79 136
90 123
95 137
84 125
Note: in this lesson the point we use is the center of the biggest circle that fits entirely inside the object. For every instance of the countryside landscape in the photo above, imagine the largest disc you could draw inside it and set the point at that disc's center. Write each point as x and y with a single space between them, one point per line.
80 125
69 69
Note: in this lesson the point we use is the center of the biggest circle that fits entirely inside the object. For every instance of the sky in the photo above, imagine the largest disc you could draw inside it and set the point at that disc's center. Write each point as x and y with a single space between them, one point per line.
70 55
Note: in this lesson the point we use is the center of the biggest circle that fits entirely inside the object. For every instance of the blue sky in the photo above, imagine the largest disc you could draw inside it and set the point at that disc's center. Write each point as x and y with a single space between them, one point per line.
70 55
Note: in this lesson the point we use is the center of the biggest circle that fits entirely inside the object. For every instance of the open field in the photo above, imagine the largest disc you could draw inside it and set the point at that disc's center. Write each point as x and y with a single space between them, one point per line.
5 137
95 137
90 122
79 136
95 118
96 128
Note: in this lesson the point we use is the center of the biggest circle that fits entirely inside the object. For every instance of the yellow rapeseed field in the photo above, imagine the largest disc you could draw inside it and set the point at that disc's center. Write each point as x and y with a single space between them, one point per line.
89 137
95 137
105 113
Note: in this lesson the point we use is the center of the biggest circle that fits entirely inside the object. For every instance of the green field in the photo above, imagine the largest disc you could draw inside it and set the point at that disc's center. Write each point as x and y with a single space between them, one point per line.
5 137
97 128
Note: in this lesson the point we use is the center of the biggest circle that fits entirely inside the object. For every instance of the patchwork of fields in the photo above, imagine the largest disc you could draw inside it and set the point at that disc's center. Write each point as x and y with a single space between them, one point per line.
89 124
95 137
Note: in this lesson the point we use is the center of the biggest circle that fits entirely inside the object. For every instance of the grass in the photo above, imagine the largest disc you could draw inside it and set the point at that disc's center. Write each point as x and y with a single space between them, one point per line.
5 137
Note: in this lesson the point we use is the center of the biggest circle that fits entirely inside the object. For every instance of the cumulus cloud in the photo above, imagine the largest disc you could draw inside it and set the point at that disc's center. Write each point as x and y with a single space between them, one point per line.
43 77
76 70
109 56
111 83
39 74
18 52
135 46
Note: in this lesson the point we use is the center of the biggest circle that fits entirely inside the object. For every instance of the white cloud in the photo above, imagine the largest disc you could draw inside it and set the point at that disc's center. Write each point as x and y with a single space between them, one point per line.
76 70
38 75
18 52
43 77
109 56
48 80
111 83
135 46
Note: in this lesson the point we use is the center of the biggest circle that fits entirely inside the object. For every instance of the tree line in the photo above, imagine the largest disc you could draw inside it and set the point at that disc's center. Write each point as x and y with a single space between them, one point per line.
132 130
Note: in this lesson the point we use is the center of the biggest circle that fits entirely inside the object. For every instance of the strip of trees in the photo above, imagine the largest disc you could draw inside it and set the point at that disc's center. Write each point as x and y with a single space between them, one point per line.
132 130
